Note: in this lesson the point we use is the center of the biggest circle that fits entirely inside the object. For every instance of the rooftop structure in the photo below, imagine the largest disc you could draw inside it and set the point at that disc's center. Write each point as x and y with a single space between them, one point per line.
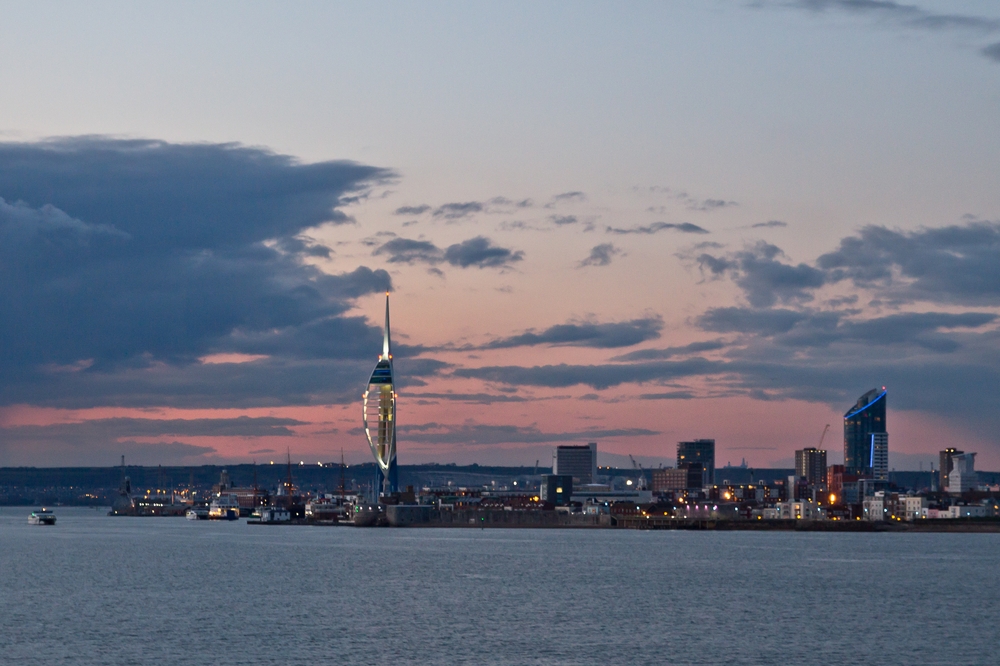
380 414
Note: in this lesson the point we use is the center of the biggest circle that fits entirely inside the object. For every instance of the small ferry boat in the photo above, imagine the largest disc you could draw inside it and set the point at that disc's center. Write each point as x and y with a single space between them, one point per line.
225 506
42 517
275 514
197 513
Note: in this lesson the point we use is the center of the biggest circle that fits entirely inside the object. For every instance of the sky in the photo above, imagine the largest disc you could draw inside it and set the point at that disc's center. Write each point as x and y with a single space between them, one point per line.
630 223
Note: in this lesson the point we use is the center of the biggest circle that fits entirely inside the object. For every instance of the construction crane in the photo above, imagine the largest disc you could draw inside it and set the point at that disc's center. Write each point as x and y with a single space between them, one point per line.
825 430
642 474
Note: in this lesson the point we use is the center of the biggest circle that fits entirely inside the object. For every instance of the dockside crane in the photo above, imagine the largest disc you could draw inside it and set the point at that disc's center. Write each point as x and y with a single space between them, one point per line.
642 474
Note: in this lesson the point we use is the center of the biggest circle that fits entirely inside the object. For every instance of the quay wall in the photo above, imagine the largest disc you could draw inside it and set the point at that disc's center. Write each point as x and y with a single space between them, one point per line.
403 515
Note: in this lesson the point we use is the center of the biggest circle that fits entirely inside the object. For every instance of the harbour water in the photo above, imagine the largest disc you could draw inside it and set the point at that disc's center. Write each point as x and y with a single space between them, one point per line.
100 590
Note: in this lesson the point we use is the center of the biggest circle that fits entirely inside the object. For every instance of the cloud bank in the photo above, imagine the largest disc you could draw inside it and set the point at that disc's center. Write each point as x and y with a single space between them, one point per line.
124 261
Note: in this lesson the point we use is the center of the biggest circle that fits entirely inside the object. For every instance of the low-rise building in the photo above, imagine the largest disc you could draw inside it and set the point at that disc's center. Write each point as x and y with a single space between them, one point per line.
876 508
911 508
969 510
800 510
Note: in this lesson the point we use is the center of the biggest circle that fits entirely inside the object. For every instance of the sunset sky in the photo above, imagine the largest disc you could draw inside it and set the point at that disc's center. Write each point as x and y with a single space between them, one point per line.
630 223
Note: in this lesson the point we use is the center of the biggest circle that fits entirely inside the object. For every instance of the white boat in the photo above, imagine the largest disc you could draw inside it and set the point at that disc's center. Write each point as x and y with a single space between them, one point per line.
196 513
42 517
274 514
224 507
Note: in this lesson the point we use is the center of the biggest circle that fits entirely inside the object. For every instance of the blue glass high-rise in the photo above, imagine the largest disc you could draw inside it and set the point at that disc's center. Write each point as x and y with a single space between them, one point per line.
866 442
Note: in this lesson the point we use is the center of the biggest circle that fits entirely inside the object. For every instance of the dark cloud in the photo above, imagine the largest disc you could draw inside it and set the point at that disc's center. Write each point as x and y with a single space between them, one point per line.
822 329
769 224
711 204
992 51
456 211
472 398
745 320
412 210
570 196
407 251
684 227
479 251
601 255
119 428
600 336
486 435
561 220
304 247
670 352
519 225
955 264
669 395
596 376
763 277
482 253
907 15
129 259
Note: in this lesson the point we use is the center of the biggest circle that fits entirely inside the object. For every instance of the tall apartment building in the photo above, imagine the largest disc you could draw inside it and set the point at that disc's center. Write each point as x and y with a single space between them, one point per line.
947 460
810 464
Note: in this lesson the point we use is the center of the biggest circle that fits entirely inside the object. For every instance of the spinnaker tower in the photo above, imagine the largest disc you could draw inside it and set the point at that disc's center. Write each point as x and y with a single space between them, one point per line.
380 414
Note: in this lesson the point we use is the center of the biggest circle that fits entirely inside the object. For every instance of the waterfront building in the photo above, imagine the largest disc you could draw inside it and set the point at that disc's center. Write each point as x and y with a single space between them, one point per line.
580 462
669 480
911 508
698 451
810 464
556 489
800 510
379 405
866 441
968 511
876 508
962 477
946 464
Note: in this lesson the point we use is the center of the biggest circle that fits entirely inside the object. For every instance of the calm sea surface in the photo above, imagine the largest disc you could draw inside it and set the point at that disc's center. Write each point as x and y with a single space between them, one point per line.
100 590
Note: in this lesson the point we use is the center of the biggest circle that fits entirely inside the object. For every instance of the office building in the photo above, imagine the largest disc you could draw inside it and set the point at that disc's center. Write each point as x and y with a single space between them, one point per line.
669 480
579 462
947 464
810 464
865 454
556 489
698 451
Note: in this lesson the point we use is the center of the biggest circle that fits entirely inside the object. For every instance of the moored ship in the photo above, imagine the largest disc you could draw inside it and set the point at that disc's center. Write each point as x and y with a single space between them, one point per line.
42 517
224 507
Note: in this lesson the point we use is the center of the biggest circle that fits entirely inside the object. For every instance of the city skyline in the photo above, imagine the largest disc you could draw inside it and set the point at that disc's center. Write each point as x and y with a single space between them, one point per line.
633 225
